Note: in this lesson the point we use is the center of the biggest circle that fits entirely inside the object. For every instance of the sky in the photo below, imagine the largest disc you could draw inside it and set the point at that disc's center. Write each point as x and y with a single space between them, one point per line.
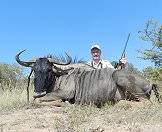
45 27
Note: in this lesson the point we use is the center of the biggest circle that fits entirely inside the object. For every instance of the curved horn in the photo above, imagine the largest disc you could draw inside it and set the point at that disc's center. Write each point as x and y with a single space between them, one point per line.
76 65
67 63
23 63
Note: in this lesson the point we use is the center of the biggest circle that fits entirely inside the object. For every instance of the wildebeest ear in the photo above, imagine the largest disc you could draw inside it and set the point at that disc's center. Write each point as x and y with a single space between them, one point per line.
32 60
69 60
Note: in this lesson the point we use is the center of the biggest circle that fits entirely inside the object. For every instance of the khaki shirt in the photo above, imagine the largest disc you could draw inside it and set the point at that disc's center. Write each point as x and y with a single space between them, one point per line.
101 64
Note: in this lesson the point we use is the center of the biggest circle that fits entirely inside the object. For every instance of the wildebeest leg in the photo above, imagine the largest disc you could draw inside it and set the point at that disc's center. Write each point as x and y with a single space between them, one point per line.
56 96
49 99
57 103
155 89
120 93
126 85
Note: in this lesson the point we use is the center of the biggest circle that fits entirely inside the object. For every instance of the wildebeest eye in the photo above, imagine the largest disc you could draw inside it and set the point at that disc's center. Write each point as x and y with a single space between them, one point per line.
49 70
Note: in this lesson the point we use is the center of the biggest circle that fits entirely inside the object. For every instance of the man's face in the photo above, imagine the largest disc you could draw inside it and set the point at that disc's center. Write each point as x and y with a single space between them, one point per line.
95 53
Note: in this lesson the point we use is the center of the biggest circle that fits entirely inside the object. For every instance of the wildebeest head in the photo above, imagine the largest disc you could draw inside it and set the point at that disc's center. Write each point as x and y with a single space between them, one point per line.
44 76
44 73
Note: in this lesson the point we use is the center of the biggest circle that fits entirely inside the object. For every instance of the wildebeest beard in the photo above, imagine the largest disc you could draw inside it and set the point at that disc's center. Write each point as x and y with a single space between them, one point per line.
44 77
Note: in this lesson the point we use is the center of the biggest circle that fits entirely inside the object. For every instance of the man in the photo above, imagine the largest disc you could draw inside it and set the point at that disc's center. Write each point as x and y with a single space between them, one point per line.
98 63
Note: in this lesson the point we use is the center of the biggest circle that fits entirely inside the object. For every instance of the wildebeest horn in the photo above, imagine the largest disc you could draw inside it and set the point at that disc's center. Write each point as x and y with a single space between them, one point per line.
24 63
58 63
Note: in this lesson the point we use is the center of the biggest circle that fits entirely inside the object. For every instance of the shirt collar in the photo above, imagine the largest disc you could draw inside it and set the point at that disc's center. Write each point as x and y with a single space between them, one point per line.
96 63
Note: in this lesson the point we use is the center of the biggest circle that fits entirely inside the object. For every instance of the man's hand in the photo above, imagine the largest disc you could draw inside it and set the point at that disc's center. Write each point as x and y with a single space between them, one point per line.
123 61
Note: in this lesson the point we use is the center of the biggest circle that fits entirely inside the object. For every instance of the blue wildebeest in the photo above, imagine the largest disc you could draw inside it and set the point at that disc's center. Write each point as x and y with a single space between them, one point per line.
80 83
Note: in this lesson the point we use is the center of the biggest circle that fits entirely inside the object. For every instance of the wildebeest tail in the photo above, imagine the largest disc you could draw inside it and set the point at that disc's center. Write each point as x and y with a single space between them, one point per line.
155 89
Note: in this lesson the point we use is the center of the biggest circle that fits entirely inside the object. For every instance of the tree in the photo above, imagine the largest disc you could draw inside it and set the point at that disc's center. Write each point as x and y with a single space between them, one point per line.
154 74
152 33
9 75
131 69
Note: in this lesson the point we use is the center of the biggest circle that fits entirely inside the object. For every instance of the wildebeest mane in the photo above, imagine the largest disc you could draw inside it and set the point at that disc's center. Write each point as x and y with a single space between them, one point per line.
61 58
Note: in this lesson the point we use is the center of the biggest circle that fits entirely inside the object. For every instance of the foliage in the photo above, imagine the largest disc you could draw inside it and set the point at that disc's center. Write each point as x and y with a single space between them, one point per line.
152 33
12 86
9 75
154 74
131 69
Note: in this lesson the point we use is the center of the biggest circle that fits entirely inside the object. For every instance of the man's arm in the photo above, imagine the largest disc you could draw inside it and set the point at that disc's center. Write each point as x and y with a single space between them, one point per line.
121 63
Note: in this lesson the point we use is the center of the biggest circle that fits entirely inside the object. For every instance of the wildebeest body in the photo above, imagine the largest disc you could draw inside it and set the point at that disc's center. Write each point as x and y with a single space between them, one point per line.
132 86
86 87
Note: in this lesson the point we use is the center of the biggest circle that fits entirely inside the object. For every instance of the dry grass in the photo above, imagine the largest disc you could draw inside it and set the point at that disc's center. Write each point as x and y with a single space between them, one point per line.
16 98
125 116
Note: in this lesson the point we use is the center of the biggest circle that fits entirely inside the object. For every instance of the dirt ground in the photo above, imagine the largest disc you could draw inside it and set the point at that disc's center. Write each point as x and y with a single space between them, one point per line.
30 119
41 119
